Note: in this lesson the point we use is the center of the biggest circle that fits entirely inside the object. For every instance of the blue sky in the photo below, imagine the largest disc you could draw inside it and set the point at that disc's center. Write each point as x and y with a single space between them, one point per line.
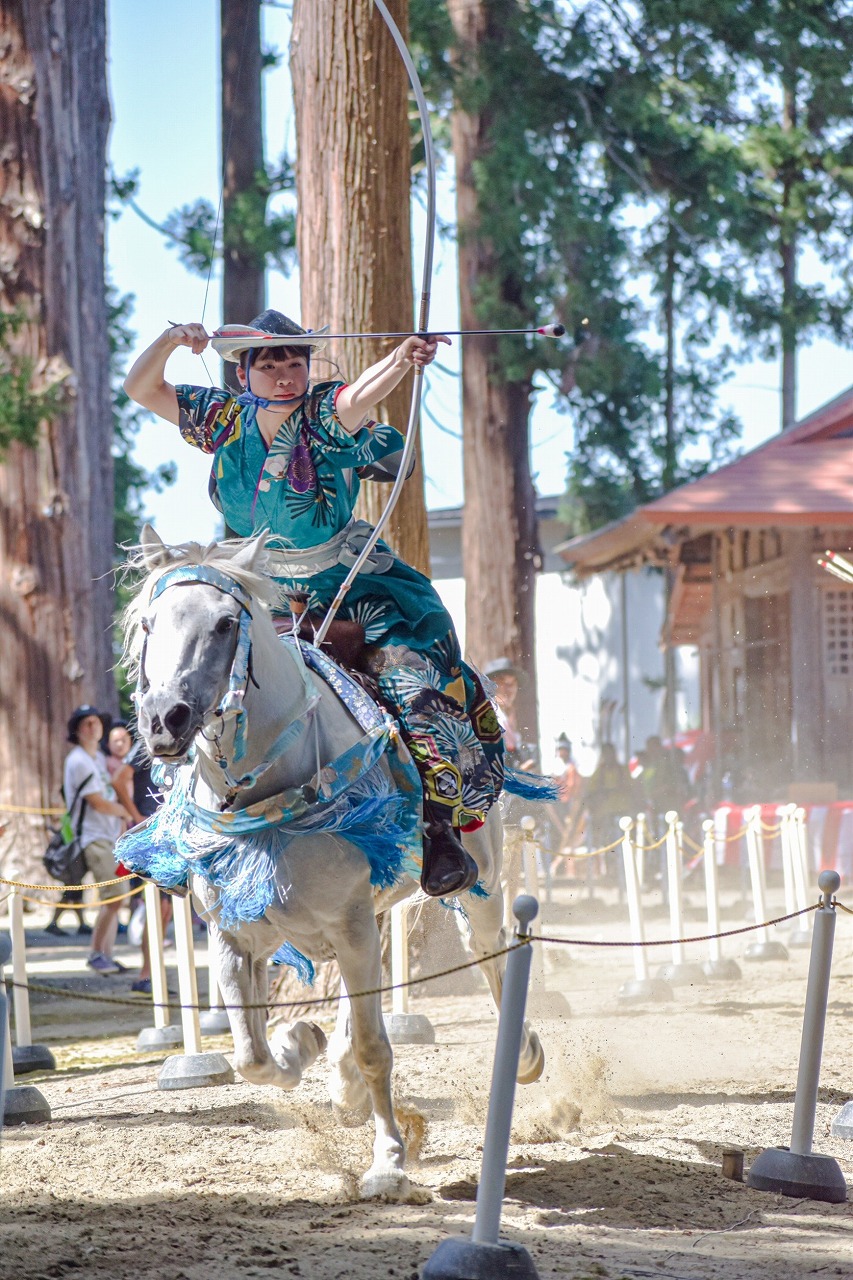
164 85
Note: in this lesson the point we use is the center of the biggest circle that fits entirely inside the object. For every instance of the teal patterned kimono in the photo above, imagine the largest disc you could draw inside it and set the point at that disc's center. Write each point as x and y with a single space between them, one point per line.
303 488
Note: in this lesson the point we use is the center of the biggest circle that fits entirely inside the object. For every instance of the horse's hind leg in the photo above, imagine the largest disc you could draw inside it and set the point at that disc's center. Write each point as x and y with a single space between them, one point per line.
347 1089
359 958
243 982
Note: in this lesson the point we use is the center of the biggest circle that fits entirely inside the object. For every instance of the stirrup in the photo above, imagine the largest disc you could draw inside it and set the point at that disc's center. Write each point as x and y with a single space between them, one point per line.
448 868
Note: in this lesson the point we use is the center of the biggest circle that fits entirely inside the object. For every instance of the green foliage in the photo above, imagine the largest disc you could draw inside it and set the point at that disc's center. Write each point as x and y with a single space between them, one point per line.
26 401
648 166
257 234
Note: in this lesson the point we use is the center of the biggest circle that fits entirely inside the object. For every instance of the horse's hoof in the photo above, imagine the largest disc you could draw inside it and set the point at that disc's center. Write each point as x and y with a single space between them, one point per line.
385 1184
533 1073
353 1117
320 1036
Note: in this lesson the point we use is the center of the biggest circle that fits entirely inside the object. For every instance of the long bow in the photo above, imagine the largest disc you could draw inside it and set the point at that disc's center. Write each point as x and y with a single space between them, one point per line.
423 321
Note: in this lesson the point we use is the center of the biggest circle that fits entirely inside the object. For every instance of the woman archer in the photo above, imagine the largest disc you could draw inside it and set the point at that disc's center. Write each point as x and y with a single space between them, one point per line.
288 456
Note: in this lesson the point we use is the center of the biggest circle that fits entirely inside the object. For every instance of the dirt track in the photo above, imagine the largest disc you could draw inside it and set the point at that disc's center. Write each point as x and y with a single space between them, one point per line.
614 1168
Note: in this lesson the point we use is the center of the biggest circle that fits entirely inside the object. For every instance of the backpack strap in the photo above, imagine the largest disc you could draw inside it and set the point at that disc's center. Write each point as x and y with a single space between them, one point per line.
83 784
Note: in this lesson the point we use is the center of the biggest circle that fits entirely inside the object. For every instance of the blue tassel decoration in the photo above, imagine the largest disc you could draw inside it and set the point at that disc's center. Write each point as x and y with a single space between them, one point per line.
530 786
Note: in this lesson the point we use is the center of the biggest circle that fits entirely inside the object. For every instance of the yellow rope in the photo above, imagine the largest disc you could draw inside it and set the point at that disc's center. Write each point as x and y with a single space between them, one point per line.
84 906
52 888
646 848
18 808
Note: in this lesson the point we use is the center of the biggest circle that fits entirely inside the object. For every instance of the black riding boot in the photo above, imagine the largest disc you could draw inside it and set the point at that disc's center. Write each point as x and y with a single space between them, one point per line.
448 867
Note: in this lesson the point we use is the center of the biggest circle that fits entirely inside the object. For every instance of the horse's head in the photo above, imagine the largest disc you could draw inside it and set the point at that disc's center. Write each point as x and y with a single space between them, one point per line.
193 612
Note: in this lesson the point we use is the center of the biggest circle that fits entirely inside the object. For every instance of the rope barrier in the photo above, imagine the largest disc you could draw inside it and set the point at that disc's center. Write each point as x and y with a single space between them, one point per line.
841 906
83 906
52 888
646 848
46 989
738 835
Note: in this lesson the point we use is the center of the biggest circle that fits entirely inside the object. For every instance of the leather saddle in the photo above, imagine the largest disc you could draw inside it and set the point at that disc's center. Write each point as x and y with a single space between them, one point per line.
344 642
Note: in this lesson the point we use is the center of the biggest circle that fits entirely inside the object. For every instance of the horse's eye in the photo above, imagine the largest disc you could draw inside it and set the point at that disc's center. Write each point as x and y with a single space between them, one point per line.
224 625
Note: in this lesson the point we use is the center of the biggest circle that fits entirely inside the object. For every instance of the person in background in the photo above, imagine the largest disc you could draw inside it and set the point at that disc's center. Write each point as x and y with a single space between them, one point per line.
120 746
145 800
505 677
86 776
566 813
609 796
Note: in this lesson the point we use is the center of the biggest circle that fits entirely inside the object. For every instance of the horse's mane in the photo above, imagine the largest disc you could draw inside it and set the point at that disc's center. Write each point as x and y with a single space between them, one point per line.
216 555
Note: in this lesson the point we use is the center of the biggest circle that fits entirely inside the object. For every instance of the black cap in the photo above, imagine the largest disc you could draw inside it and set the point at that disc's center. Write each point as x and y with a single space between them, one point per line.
80 714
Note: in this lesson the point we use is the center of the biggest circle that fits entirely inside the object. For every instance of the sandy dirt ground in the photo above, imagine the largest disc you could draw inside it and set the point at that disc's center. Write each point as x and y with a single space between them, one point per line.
614 1167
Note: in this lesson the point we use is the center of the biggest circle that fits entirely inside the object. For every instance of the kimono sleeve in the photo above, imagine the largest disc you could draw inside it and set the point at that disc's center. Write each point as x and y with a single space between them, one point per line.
369 447
207 416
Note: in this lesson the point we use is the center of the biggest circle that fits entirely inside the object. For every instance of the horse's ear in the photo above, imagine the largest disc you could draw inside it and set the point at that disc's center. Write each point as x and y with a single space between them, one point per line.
155 553
252 555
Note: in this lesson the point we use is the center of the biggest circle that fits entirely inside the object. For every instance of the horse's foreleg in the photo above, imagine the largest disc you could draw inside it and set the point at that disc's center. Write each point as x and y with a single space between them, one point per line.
359 958
486 935
243 982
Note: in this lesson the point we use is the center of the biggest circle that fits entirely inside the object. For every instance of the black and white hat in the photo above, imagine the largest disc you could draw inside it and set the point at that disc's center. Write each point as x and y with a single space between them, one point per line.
269 329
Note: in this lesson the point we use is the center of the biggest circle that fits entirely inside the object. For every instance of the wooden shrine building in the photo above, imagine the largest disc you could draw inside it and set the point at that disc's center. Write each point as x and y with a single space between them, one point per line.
774 630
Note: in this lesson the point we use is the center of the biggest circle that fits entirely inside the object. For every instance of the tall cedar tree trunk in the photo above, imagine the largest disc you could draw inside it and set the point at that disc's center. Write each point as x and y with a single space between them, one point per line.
353 236
353 229
500 551
56 500
242 154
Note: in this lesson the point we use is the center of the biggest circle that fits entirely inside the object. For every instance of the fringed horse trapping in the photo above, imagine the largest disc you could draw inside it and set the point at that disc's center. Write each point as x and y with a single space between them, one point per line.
293 812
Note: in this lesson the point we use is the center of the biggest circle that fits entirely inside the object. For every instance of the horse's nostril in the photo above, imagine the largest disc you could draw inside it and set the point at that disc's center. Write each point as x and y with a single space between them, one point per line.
177 719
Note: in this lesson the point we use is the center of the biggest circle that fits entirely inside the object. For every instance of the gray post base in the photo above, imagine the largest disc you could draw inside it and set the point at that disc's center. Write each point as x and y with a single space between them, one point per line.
808 1177
159 1038
23 1104
765 951
641 990
842 1125
214 1022
684 974
32 1057
722 970
195 1071
459 1258
409 1028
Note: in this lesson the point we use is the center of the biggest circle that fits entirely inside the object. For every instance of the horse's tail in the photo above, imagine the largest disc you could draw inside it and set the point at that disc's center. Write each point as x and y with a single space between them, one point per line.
530 786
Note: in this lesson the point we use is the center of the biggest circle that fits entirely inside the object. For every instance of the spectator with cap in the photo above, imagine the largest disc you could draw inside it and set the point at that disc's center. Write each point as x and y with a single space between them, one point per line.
566 812
506 676
87 787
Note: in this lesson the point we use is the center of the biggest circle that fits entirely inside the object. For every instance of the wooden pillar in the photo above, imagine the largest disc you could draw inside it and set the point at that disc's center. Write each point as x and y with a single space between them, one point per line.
807 719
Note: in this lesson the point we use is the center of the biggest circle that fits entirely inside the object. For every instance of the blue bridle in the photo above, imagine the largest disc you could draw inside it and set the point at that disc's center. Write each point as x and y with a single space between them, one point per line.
233 698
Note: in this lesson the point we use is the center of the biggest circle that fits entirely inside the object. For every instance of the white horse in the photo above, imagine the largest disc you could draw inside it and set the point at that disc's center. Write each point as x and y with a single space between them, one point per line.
186 634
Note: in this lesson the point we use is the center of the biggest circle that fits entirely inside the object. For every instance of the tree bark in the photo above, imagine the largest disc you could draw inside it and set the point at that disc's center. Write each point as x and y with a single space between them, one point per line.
243 276
500 544
56 500
353 230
